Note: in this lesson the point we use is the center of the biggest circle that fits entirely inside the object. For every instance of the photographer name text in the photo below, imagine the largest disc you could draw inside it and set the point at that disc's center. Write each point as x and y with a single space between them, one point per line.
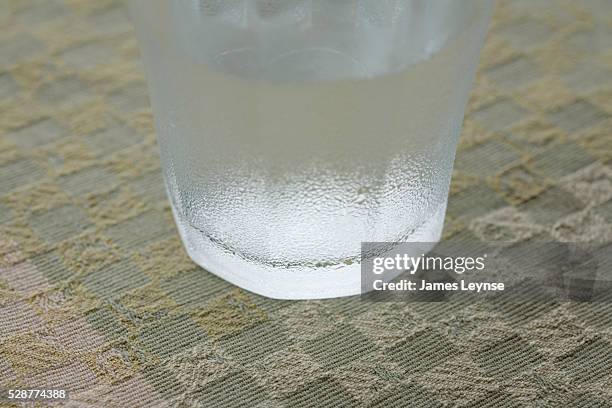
424 286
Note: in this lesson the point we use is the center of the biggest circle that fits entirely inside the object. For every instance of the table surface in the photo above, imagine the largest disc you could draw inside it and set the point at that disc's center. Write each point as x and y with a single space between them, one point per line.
98 297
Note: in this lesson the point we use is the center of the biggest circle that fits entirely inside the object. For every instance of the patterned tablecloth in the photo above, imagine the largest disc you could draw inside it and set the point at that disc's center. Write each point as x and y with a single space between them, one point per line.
98 297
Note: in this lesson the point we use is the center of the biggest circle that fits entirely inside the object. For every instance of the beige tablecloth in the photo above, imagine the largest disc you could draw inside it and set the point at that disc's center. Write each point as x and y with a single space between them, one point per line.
98 297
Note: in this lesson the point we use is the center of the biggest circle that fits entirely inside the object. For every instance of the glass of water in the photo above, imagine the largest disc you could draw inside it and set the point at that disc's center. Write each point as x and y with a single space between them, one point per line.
293 130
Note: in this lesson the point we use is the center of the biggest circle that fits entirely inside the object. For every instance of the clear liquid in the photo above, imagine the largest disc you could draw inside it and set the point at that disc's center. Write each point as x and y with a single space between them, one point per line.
285 161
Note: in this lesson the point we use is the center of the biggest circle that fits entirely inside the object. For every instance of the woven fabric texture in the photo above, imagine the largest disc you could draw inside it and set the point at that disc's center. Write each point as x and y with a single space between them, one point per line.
97 295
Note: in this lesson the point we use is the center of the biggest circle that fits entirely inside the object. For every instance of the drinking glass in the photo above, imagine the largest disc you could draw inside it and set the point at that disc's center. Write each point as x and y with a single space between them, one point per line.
291 131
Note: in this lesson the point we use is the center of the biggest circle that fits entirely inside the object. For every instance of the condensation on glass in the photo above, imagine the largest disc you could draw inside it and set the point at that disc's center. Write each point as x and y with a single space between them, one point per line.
293 130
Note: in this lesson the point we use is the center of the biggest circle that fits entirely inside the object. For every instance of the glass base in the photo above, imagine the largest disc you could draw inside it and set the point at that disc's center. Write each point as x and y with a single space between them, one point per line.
290 283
